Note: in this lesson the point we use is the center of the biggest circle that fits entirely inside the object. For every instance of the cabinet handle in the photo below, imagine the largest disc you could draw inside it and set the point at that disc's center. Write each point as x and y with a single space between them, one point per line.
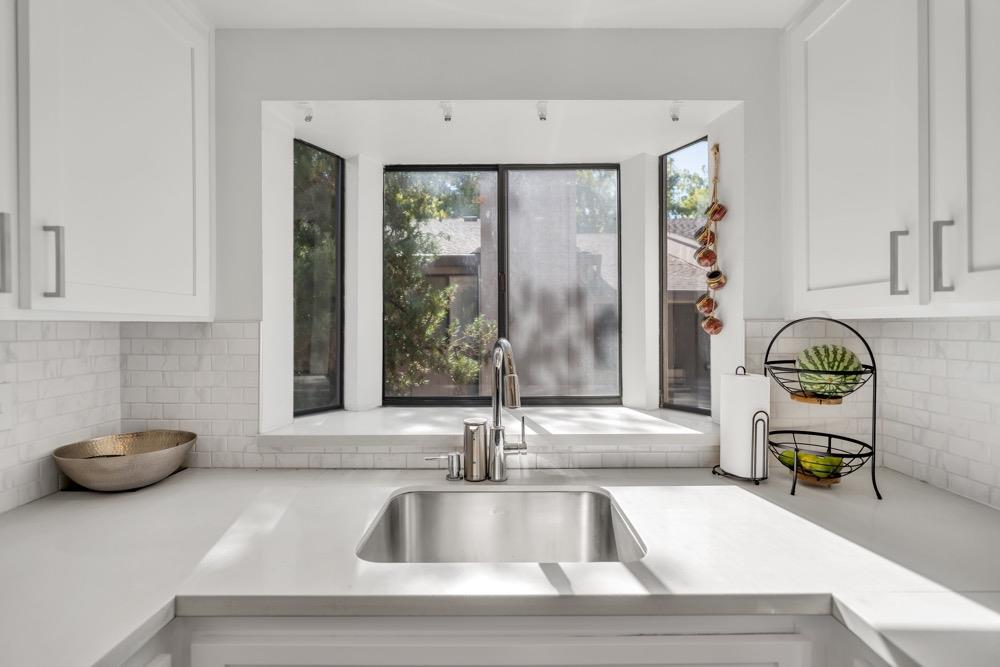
894 290
60 232
939 285
5 271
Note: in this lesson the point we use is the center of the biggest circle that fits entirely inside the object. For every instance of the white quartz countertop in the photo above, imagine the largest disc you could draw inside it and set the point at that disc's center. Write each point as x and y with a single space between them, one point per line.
87 578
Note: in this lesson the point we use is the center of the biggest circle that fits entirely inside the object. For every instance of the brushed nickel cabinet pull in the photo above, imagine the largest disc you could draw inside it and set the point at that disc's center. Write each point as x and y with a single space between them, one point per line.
60 232
939 285
894 289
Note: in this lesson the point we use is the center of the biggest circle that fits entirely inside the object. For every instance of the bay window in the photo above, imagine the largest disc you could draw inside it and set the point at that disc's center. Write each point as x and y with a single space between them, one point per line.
530 252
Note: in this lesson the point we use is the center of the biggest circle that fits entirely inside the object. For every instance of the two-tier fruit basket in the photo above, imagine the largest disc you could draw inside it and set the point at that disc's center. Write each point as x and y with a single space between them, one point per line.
818 457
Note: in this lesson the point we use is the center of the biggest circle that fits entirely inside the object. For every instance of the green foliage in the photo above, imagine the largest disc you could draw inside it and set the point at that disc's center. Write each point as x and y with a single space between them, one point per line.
596 200
418 343
687 192
315 258
468 349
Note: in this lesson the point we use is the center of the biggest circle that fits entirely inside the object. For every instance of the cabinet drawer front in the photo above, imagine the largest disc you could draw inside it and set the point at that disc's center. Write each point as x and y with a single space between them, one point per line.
504 651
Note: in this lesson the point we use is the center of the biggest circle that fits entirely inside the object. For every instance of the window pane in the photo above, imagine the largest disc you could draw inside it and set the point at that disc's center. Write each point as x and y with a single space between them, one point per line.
439 282
317 279
563 280
686 192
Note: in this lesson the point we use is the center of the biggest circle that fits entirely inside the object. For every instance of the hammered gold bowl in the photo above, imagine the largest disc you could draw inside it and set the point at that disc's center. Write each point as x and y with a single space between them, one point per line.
126 461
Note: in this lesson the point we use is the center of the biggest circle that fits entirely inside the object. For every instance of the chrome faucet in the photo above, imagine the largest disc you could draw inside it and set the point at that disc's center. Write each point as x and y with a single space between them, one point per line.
506 393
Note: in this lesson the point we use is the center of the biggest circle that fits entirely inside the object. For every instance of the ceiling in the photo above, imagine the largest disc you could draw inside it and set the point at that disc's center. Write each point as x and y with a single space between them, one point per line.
500 131
501 13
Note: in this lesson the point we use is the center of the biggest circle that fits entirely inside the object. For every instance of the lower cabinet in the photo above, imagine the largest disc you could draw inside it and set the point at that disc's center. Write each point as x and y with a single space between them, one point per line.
729 641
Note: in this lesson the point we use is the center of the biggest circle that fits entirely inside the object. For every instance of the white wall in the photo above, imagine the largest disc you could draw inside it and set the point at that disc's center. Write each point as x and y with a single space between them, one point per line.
277 325
257 65
734 247
640 282
362 283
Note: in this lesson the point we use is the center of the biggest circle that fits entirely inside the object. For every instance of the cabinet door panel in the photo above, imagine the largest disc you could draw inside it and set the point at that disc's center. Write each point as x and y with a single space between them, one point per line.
857 110
125 151
984 144
115 114
965 150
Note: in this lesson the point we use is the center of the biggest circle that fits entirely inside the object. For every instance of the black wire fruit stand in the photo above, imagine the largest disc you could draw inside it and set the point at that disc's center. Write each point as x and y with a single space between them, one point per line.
831 456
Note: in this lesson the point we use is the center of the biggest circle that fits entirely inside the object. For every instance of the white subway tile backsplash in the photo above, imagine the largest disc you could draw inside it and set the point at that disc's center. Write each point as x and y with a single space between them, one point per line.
59 382
939 384
196 377
967 330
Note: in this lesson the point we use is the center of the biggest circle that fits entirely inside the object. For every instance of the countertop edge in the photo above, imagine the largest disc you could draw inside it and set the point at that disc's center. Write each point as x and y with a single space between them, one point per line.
138 637
806 604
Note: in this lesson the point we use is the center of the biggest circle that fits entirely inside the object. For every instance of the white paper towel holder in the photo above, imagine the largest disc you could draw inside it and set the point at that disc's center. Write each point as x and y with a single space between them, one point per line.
760 424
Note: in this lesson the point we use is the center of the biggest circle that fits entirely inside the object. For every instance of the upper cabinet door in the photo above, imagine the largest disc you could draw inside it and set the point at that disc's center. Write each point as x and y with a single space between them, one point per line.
114 119
8 154
857 160
965 151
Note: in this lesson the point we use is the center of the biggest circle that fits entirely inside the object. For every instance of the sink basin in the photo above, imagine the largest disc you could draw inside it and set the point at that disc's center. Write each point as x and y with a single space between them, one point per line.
494 526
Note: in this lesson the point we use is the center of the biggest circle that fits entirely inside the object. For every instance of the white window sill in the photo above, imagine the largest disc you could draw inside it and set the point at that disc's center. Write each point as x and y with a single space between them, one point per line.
400 429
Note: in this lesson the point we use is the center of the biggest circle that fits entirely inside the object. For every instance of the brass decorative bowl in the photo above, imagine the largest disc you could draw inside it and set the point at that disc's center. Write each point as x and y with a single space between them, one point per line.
126 461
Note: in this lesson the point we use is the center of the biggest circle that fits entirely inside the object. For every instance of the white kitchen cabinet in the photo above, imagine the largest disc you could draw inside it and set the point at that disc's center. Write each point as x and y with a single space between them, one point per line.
748 641
894 156
857 163
8 154
965 151
114 117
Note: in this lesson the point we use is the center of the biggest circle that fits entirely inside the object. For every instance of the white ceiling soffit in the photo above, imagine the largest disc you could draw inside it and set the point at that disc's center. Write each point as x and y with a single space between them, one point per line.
500 13
500 131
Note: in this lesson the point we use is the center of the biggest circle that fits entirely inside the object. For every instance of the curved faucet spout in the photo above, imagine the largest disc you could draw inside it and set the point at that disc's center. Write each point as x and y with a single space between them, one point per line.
506 388
506 392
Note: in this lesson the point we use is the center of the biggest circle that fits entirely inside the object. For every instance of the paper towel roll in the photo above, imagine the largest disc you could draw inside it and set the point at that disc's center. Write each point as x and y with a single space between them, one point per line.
741 397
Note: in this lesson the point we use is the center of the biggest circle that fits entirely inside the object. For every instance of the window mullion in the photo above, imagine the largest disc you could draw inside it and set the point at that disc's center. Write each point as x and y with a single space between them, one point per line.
502 253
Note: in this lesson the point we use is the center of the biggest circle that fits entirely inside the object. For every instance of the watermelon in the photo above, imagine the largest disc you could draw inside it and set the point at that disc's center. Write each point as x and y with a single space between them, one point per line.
828 358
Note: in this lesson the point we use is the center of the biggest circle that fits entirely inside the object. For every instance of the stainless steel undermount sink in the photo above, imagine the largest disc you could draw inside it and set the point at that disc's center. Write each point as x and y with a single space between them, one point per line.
501 526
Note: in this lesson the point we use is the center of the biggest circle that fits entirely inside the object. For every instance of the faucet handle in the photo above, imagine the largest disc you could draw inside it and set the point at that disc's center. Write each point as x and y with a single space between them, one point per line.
454 464
519 447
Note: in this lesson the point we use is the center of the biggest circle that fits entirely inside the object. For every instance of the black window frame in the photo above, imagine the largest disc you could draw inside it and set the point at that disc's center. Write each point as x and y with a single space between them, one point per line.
503 305
339 239
661 251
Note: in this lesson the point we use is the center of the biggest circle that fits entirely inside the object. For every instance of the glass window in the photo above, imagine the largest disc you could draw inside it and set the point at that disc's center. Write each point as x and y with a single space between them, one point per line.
685 193
318 270
563 280
530 253
439 282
